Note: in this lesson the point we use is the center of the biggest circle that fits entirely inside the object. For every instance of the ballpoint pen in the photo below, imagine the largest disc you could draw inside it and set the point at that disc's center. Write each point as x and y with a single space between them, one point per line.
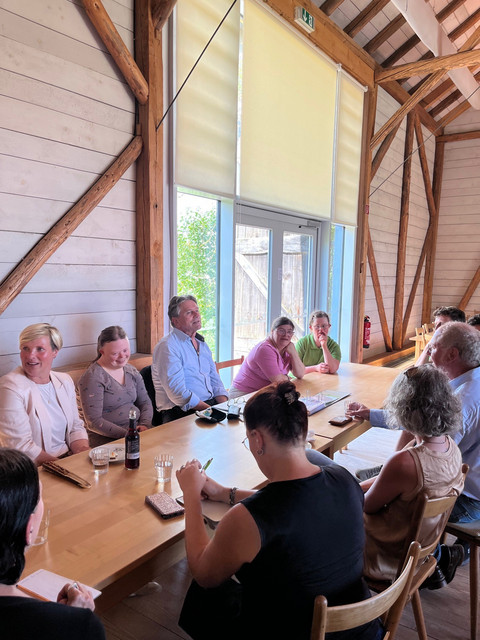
207 464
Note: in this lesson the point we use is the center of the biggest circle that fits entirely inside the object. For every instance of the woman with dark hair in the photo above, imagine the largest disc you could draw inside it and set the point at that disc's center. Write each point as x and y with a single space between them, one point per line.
269 361
110 387
23 617
420 401
299 536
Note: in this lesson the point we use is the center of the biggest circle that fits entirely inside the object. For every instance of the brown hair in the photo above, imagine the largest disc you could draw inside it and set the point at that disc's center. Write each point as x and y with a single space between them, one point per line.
110 334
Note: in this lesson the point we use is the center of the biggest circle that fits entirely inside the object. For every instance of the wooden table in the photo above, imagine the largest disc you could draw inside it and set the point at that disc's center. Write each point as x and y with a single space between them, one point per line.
108 538
364 383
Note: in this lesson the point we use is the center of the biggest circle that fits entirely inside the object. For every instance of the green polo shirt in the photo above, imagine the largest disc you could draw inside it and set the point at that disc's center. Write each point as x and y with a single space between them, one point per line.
311 355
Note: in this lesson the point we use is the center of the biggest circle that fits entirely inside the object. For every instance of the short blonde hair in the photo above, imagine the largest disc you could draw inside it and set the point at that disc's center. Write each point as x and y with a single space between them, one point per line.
34 331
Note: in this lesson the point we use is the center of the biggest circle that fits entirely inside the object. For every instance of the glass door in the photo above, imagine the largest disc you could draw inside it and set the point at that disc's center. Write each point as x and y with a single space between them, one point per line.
275 257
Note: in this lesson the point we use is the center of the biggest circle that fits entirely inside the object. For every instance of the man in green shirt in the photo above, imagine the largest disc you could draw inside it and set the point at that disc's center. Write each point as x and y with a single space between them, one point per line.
318 351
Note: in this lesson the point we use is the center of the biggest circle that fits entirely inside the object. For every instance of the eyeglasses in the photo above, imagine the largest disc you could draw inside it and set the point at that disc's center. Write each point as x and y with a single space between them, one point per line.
411 373
282 332
246 443
317 327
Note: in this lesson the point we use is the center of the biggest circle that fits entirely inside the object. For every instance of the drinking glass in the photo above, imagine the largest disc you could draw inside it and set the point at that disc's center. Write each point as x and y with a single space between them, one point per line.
42 535
100 459
163 465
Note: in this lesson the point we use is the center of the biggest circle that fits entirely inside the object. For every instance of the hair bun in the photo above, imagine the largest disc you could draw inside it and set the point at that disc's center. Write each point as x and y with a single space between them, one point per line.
287 391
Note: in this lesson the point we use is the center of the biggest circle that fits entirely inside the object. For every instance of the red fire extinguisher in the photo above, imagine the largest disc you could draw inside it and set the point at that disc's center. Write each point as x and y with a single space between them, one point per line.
366 332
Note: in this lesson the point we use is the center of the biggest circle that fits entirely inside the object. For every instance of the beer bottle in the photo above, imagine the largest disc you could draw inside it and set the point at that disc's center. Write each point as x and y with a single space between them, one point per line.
132 442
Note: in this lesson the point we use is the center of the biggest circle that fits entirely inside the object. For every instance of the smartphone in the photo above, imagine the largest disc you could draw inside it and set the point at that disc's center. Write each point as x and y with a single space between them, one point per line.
165 505
340 421
211 414
233 412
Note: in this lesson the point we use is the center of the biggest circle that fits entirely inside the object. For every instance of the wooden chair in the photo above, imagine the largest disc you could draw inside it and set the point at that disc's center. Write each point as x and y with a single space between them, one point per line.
419 340
429 327
389 604
229 363
470 532
434 509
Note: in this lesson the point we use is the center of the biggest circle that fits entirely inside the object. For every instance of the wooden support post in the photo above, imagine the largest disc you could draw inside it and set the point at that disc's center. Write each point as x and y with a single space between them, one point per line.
378 294
161 10
61 230
432 209
432 244
117 48
370 105
421 67
475 281
149 201
402 235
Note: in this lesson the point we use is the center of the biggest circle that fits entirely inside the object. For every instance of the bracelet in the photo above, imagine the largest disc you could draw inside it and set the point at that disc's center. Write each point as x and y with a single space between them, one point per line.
233 492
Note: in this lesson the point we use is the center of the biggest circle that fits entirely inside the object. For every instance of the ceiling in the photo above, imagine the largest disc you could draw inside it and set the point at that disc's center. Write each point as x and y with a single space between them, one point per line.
382 31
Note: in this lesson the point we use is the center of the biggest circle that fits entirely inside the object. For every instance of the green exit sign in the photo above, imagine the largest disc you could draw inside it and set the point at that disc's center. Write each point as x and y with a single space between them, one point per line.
304 19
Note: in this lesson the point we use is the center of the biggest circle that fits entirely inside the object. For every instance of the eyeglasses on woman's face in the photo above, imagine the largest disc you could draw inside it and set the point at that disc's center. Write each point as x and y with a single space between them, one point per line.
246 443
289 333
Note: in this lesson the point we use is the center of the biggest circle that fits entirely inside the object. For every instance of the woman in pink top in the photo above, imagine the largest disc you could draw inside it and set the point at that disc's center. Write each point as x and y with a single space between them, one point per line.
269 361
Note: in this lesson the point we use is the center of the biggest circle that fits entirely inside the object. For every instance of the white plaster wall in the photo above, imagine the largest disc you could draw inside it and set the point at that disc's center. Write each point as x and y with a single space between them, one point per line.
458 242
65 115
385 200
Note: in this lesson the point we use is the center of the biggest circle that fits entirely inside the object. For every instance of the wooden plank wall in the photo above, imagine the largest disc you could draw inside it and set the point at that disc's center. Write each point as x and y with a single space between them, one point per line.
458 242
65 114
384 226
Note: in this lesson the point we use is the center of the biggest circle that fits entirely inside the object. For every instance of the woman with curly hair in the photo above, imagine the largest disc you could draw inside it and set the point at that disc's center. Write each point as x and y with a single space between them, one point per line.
298 537
421 401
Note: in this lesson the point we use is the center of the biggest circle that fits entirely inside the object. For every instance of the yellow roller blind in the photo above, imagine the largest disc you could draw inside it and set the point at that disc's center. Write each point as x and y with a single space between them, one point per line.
288 114
206 109
349 150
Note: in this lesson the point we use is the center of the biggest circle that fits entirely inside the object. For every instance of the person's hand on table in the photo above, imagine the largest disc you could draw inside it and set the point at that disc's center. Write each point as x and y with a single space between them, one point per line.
191 478
76 595
213 490
142 427
359 411
323 368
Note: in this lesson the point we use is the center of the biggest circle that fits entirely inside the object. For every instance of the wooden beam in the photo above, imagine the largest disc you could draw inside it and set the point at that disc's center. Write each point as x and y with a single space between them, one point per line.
465 25
405 108
329 6
456 137
117 48
382 150
443 63
330 39
149 200
475 281
433 213
383 35
369 111
432 240
414 40
454 113
365 16
13 284
398 332
161 10
378 294
401 96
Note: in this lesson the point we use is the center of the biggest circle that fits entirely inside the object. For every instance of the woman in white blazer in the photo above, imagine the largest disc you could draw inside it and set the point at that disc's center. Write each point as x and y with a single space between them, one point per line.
38 407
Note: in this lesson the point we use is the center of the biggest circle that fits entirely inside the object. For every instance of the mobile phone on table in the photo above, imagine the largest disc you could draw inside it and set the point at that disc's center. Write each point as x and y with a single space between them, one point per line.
165 505
340 421
211 414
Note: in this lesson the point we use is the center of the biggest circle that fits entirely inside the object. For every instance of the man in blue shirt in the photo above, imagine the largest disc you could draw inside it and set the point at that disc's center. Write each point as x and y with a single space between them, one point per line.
183 371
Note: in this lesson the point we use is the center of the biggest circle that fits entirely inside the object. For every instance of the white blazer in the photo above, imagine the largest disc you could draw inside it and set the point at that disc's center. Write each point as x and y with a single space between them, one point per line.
25 423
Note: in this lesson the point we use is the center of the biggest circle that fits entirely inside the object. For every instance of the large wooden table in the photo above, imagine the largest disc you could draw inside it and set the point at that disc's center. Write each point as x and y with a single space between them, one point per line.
108 538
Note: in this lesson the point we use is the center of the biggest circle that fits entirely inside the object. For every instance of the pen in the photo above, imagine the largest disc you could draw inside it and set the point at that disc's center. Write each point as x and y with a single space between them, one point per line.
207 464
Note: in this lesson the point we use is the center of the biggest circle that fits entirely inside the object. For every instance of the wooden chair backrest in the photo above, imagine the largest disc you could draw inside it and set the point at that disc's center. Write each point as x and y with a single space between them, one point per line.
348 616
429 327
229 363
426 509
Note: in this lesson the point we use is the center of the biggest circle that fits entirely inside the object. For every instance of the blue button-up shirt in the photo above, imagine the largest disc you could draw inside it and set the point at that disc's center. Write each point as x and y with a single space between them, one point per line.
181 376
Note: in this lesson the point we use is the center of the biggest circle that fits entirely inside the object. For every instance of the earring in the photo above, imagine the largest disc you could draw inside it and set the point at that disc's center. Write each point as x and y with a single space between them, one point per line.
259 452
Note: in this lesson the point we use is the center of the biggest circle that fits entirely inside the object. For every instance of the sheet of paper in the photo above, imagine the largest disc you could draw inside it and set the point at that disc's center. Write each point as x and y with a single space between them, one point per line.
48 585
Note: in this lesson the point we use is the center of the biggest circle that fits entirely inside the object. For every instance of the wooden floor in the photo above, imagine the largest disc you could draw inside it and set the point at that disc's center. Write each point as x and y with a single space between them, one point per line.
154 615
